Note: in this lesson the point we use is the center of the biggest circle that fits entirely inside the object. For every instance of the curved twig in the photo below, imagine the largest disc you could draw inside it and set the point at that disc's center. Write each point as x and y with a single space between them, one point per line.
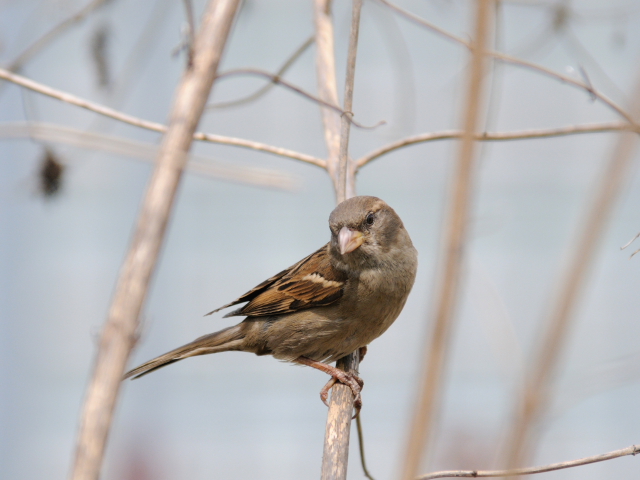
498 136
262 90
361 448
277 80
154 126
632 450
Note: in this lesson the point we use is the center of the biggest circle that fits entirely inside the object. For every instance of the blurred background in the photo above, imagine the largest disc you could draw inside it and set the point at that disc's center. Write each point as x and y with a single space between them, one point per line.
64 233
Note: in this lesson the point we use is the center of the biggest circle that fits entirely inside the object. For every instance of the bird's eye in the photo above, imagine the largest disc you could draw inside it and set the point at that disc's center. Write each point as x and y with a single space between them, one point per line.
370 218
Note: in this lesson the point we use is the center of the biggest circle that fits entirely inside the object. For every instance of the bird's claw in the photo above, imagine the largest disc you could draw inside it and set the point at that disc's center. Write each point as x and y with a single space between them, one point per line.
324 393
351 380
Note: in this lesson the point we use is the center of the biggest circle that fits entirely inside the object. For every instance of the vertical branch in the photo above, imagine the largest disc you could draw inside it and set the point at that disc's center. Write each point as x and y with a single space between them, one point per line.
336 446
537 392
327 86
119 333
335 456
422 424
345 126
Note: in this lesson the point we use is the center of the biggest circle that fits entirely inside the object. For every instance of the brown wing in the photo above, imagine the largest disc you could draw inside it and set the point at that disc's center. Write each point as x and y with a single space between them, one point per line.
312 282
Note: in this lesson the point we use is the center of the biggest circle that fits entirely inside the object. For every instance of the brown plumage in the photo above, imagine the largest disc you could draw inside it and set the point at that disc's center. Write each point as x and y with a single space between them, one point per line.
326 306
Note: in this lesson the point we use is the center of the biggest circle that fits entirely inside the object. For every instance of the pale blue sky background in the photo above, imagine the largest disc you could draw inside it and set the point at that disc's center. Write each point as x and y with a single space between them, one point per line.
235 415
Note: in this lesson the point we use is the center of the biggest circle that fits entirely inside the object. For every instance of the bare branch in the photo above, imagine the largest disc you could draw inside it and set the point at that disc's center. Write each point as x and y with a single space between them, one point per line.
516 61
345 190
327 86
336 444
632 450
156 127
198 164
261 91
261 147
119 334
276 80
536 395
498 136
422 423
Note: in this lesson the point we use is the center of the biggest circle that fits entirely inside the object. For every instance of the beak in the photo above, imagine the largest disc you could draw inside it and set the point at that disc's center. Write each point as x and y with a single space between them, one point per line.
349 240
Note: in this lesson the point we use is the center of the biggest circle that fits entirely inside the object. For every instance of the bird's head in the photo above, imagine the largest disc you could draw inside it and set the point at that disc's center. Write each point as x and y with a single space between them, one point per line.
364 230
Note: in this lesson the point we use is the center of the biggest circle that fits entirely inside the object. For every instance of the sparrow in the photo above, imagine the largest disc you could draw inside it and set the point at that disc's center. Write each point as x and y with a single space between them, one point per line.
328 305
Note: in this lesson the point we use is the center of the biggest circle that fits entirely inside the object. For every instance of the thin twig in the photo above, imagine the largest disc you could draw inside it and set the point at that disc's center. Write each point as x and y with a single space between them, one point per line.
361 447
263 90
197 164
46 39
514 61
430 388
119 333
277 80
156 127
536 396
630 242
498 136
632 450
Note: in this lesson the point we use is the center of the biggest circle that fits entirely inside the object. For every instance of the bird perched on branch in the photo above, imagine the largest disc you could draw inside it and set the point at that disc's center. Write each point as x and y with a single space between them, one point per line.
326 306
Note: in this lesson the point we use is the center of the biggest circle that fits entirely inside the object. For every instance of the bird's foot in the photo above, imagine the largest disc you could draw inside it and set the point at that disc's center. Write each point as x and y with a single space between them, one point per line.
351 380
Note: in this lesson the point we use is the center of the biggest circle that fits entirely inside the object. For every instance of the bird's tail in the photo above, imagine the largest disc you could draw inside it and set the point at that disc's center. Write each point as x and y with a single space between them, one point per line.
225 340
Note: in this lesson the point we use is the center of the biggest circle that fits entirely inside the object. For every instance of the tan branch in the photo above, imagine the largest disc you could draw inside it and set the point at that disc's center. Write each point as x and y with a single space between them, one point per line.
499 136
538 384
156 127
423 419
515 61
335 455
198 164
327 86
346 186
119 333
632 450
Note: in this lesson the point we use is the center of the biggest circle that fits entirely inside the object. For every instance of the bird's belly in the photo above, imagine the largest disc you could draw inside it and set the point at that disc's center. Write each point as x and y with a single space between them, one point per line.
326 334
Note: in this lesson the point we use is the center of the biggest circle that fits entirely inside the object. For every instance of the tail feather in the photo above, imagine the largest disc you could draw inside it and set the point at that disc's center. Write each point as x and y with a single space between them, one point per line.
225 340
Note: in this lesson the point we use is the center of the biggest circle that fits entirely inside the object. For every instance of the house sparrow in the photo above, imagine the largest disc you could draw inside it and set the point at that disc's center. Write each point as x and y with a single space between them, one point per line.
326 306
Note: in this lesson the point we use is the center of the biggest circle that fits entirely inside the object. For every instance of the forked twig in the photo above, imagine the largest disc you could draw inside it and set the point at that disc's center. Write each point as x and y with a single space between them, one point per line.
277 80
261 91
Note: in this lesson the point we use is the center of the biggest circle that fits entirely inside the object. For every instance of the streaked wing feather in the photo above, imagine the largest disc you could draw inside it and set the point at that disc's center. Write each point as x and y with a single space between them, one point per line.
312 282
